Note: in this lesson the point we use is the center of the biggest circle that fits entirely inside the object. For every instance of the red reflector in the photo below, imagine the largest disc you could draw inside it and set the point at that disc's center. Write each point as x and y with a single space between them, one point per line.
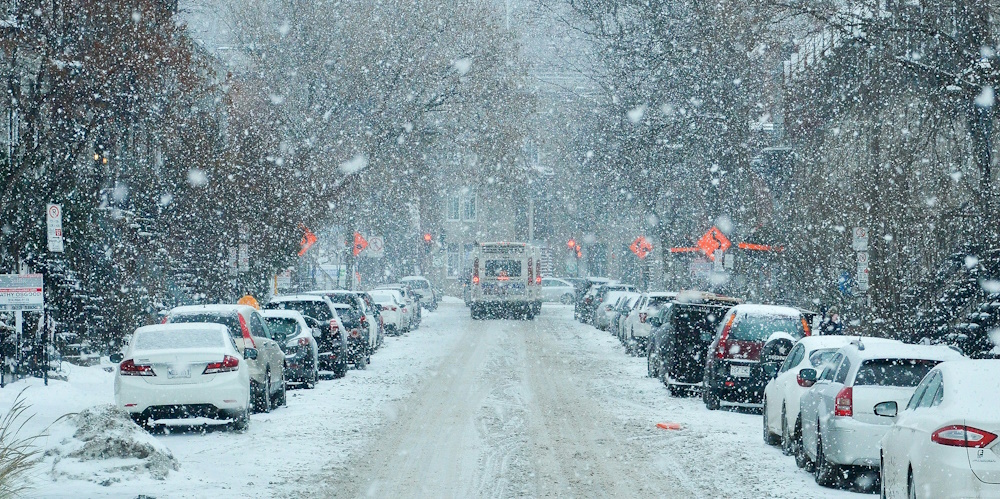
355 333
303 341
129 405
730 383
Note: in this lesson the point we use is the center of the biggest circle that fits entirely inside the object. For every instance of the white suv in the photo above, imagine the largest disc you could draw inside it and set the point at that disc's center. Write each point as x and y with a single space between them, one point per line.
422 288
840 429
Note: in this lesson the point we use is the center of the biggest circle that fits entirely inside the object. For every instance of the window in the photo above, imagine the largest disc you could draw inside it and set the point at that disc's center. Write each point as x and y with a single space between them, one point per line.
257 327
761 327
893 372
469 207
831 368
933 387
454 260
454 207
845 367
794 357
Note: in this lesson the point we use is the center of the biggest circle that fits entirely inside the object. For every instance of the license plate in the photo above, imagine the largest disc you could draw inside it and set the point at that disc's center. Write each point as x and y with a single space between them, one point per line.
739 371
172 373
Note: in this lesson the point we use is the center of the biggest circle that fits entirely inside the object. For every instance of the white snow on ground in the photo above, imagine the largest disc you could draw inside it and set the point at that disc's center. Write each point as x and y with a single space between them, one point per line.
349 437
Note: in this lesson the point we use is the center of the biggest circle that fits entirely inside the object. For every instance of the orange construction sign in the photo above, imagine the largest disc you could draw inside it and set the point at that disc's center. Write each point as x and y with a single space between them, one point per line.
308 239
359 243
713 240
641 247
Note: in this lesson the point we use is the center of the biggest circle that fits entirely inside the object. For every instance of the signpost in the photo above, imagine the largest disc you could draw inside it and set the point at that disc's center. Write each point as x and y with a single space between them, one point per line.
859 241
53 222
376 247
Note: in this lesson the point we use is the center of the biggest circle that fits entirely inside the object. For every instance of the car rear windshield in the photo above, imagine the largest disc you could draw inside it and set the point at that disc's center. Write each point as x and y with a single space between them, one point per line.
761 327
282 326
177 340
893 372
316 309
510 268
696 321
417 284
229 320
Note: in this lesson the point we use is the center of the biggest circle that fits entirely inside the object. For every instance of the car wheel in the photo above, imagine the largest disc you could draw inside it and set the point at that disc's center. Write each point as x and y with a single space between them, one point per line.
676 391
801 458
361 362
141 420
786 436
711 398
825 472
652 364
310 384
241 422
282 399
265 401
341 369
769 438
911 485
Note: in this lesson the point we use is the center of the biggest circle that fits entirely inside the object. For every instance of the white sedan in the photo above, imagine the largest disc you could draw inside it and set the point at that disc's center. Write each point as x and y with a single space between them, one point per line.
558 290
782 394
175 372
945 442
394 311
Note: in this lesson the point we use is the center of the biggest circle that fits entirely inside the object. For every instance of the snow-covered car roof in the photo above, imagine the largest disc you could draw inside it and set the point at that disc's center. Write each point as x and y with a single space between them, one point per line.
299 297
758 309
661 294
883 348
212 309
829 341
393 293
973 382
183 326
413 278
284 314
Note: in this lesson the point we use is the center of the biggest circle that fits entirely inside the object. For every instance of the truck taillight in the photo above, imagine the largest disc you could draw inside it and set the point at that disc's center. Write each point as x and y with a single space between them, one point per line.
129 368
228 364
843 404
805 327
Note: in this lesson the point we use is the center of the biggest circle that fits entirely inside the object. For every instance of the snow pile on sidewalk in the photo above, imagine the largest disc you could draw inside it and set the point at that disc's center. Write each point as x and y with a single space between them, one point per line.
106 434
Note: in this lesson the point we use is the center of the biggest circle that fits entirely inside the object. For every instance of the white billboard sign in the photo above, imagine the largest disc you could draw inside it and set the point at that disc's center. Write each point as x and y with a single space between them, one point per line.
21 292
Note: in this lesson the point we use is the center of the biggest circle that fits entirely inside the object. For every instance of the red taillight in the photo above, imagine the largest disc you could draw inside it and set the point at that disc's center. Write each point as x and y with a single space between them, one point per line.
404 310
363 320
722 349
333 325
843 405
304 342
538 271
963 436
165 319
394 309
385 307
805 327
246 331
129 368
228 364
355 333
642 317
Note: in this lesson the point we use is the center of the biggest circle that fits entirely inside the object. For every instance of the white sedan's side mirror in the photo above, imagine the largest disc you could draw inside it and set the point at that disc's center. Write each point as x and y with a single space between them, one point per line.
887 409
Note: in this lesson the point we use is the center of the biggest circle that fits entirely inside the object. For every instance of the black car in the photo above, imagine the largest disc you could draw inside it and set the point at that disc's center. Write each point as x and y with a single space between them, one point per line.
332 342
679 340
355 314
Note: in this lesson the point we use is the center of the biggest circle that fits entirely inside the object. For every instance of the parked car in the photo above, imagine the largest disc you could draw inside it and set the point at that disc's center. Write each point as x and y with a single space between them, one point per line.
625 306
637 327
359 323
782 394
248 329
423 289
584 309
750 336
375 311
604 311
680 338
177 371
411 307
557 290
396 317
840 429
944 443
332 340
298 340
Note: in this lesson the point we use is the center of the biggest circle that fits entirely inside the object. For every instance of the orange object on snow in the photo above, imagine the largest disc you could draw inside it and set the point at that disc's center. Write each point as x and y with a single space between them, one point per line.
669 426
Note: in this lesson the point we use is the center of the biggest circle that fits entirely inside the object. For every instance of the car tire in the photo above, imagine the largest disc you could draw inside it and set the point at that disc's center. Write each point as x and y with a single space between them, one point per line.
786 436
711 398
911 486
769 438
652 364
310 384
825 472
677 391
361 362
801 458
282 398
241 423
341 370
265 399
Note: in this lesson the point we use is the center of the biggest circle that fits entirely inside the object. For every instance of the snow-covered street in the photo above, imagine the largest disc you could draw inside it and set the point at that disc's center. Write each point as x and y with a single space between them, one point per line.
501 408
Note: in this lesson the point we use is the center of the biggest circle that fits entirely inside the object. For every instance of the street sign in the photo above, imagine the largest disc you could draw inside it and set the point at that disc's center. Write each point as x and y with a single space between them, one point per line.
360 243
376 247
53 222
712 241
641 247
308 239
862 279
859 241
21 292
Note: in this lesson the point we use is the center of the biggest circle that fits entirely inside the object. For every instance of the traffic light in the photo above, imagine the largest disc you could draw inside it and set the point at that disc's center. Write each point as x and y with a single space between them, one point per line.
571 244
428 241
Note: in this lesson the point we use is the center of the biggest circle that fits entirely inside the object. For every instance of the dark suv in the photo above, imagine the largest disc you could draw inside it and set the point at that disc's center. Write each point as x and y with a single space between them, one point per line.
332 343
749 337
680 335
